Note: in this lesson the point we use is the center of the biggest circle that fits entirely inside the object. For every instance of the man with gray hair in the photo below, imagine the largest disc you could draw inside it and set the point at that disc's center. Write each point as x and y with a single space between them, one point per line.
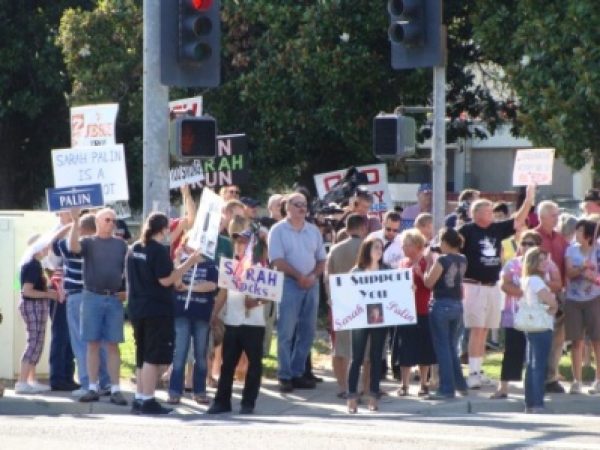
555 245
102 309
482 297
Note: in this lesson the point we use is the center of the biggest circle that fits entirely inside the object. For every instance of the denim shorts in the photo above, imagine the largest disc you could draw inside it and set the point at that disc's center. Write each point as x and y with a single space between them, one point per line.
101 318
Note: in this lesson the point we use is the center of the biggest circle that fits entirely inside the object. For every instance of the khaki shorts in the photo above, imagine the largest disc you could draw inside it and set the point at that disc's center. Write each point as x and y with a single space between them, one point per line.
582 319
482 306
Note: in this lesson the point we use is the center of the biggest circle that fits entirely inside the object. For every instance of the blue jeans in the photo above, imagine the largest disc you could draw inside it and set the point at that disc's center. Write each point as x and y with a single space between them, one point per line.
538 349
62 368
186 328
359 344
79 346
101 318
445 318
296 324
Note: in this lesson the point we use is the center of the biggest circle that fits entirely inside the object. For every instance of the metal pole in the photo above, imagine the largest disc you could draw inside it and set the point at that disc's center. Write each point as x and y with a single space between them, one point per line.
155 110
438 152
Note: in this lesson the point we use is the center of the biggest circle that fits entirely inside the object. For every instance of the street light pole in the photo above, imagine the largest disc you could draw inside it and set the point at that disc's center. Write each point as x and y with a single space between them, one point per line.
438 151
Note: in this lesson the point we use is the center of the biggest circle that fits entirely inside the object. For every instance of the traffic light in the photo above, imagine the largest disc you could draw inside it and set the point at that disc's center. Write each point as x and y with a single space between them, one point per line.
394 136
190 43
193 137
416 34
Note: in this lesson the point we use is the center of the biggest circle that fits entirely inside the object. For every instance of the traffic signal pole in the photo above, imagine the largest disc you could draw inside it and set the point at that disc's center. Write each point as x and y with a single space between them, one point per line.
438 151
156 117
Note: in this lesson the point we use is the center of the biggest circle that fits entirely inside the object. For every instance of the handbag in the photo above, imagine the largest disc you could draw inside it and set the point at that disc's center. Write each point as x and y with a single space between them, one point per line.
532 317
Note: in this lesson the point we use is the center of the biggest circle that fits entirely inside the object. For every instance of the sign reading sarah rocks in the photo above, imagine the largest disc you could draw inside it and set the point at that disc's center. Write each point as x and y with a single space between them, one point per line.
255 281
372 299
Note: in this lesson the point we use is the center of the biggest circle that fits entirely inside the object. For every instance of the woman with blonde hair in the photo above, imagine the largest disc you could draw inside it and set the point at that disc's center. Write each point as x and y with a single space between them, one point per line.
536 291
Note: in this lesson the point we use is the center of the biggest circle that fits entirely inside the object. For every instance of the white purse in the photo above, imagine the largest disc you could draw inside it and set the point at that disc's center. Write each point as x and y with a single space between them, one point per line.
532 318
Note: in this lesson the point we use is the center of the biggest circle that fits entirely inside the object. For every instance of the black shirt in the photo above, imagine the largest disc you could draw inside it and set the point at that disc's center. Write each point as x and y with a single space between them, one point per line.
31 272
482 249
449 284
146 264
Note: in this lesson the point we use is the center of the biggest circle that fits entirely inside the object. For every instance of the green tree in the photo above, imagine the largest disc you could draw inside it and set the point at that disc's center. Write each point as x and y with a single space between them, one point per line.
550 54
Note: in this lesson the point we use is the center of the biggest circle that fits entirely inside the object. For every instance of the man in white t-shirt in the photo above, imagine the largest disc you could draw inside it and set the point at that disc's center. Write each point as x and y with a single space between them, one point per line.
390 235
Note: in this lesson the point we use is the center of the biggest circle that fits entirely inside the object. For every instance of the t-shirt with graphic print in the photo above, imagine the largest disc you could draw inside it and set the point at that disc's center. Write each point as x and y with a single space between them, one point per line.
449 284
483 249
580 289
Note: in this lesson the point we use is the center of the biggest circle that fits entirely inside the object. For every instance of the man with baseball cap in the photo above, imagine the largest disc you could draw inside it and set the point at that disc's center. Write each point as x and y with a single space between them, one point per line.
591 202
423 205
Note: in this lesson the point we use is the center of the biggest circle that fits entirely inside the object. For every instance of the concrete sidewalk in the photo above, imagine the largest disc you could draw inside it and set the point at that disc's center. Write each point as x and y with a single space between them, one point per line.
319 402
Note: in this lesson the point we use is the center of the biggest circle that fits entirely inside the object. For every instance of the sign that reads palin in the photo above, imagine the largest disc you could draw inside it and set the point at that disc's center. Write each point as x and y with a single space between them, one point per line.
381 298
62 199
254 281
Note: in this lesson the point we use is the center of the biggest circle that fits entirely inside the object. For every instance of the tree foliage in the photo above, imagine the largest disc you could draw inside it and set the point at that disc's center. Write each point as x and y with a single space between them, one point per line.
550 53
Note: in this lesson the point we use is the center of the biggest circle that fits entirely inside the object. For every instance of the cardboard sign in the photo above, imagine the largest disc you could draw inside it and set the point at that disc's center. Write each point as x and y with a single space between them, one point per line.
533 166
378 185
90 165
255 281
231 164
186 105
186 174
62 199
93 125
205 232
383 298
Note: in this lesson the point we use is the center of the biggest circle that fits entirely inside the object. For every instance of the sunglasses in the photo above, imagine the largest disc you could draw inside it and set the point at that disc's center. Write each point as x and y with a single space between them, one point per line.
528 244
392 230
234 192
299 205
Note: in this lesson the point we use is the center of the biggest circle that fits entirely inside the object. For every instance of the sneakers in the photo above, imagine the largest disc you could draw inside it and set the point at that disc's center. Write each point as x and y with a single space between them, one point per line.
118 399
40 387
474 381
79 392
150 406
136 406
26 388
485 381
575 388
595 389
89 396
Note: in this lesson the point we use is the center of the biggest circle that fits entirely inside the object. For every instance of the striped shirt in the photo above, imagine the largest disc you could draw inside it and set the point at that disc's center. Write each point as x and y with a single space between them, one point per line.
72 266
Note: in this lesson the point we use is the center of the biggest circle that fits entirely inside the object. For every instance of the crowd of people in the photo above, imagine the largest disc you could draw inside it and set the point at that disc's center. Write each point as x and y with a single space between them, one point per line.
470 277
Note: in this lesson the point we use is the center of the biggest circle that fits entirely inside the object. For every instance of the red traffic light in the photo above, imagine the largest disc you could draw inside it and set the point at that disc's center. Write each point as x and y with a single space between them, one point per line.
202 5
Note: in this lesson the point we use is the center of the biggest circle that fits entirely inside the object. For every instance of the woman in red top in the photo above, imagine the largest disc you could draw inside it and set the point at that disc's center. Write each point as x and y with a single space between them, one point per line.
414 346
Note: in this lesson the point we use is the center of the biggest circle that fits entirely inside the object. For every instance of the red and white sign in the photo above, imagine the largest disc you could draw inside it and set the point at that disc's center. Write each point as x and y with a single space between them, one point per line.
533 166
381 298
182 106
93 125
377 184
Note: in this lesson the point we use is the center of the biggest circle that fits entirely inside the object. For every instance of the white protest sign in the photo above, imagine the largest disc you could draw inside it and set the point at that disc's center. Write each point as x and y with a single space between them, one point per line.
205 232
93 125
182 106
255 281
89 165
533 166
186 174
381 298
377 184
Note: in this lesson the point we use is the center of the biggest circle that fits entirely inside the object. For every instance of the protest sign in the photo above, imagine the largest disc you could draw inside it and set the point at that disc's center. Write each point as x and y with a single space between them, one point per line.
89 165
62 199
377 185
93 125
381 298
255 281
231 164
205 232
533 166
187 105
186 174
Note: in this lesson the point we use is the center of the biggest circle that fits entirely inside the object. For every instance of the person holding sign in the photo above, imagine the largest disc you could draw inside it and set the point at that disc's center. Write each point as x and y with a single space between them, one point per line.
244 332
151 276
445 278
369 259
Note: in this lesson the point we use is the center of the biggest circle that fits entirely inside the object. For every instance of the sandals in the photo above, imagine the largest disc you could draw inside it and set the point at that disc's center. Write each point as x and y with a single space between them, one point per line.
373 404
174 400
424 391
402 392
352 406
201 399
343 395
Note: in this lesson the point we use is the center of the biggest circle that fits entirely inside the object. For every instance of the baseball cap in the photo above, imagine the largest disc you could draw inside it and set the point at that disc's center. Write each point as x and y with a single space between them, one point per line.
425 187
250 202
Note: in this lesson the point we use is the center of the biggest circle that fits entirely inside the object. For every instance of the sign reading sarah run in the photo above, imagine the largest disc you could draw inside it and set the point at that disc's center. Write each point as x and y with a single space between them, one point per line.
372 299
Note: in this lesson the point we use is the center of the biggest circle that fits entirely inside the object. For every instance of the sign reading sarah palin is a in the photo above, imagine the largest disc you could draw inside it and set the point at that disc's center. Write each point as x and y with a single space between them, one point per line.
372 299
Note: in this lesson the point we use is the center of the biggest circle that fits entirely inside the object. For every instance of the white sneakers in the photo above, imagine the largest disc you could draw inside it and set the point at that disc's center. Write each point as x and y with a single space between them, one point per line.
485 381
595 389
30 388
79 392
474 381
575 388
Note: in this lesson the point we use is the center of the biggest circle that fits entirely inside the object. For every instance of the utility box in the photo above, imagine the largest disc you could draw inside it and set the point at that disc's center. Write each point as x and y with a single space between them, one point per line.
394 136
16 227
